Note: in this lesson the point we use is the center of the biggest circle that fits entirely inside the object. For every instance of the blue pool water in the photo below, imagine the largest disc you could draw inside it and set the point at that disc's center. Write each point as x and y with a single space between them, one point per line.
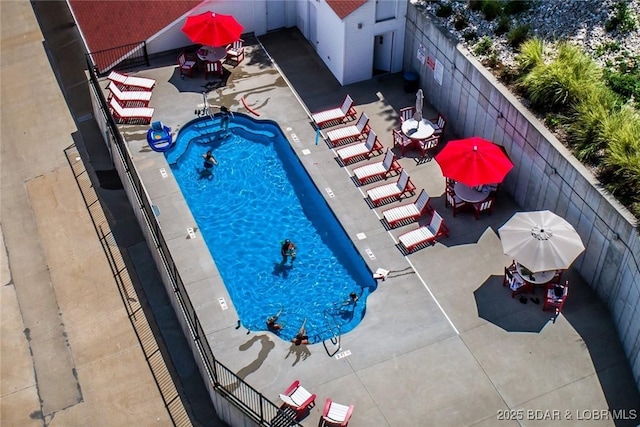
258 195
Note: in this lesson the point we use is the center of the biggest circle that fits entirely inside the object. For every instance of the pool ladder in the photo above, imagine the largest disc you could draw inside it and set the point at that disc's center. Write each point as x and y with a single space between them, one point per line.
335 332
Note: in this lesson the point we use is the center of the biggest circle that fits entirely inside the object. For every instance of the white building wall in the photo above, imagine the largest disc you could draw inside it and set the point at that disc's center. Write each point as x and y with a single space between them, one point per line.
251 15
358 49
331 41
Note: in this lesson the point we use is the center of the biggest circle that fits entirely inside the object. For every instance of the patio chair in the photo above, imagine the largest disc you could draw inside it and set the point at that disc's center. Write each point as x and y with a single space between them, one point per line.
186 64
407 113
378 169
396 190
336 115
130 114
335 414
401 140
235 52
126 82
360 149
449 184
438 124
484 206
555 296
298 398
425 235
427 144
213 68
516 283
402 215
129 98
454 202
349 133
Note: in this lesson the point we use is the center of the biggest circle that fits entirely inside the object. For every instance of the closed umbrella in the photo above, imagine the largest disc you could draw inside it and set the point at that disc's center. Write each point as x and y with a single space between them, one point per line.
474 161
212 29
540 241
419 105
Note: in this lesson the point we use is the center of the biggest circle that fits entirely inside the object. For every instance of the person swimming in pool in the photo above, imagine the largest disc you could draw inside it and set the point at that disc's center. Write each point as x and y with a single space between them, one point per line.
301 337
288 249
272 323
209 160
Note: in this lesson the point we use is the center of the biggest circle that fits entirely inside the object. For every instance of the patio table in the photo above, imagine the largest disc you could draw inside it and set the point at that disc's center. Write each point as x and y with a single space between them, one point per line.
212 54
471 194
537 278
417 130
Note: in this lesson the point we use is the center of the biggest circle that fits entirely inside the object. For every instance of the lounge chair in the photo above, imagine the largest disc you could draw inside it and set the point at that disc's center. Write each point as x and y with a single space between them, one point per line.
130 98
402 215
298 398
392 191
360 149
425 235
349 133
130 115
378 169
335 414
126 82
336 115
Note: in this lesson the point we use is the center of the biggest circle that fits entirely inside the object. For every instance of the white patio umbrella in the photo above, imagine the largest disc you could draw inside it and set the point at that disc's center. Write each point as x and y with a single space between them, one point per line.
540 241
419 105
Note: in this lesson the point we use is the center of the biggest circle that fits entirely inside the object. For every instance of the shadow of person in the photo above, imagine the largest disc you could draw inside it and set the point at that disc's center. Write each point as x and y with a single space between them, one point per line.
266 346
300 351
205 173
280 269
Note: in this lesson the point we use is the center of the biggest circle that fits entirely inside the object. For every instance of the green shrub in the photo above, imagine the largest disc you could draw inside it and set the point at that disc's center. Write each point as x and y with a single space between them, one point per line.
553 120
475 5
460 22
620 169
483 47
491 9
469 35
608 46
514 7
504 25
530 54
516 36
566 80
625 84
444 10
586 132
624 19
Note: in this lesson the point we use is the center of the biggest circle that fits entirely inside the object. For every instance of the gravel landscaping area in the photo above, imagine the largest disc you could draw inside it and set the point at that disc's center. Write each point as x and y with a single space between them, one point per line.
582 22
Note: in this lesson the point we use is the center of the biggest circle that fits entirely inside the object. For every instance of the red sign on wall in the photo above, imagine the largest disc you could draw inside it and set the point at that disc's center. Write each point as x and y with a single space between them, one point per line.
431 63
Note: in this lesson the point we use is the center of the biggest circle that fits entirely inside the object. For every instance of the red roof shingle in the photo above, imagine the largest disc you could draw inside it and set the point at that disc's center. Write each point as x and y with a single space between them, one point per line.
109 24
344 8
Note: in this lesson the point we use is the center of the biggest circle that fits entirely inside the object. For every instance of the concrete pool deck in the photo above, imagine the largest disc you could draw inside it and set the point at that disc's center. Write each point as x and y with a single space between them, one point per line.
442 342
408 365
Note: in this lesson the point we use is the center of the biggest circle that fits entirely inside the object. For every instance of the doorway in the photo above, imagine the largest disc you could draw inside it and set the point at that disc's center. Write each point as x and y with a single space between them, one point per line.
382 53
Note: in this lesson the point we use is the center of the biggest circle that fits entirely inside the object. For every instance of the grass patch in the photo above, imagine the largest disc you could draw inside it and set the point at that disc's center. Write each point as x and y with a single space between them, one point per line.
504 25
491 9
444 10
516 36
624 20
483 47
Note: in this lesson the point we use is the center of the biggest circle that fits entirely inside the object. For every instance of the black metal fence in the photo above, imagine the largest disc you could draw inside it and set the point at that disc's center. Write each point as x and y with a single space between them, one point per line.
127 56
225 381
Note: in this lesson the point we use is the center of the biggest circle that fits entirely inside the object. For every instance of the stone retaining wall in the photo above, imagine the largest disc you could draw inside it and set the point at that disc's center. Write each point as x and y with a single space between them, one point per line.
545 176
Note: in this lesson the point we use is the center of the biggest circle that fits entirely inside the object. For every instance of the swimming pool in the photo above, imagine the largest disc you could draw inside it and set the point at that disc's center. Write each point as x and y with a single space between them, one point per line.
257 196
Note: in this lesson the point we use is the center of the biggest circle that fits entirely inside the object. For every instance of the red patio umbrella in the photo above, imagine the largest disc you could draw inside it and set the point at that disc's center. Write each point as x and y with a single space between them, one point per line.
212 29
474 161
